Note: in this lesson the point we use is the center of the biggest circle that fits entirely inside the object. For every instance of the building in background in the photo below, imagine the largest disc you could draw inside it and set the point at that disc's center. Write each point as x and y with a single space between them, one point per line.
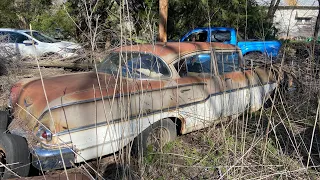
295 22
294 19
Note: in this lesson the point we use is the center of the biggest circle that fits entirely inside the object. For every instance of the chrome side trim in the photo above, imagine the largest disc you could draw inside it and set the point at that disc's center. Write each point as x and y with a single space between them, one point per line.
48 159
110 97
152 112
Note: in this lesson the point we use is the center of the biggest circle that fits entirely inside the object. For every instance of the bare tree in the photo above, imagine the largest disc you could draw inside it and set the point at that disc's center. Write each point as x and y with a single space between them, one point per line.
274 4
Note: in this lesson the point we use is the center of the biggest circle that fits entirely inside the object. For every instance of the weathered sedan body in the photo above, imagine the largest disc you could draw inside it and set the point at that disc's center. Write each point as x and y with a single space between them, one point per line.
90 114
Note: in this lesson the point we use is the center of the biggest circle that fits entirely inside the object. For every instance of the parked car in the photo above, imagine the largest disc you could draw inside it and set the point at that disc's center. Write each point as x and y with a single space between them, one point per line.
27 43
229 36
146 94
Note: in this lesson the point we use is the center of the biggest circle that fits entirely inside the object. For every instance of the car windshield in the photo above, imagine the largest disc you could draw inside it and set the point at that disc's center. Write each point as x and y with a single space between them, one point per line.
134 65
41 37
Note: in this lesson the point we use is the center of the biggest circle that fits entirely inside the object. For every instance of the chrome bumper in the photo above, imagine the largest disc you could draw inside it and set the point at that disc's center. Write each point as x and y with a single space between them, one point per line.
47 159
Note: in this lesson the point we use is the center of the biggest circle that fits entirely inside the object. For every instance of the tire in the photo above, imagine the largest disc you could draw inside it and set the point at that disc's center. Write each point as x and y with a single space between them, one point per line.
14 152
4 119
269 102
142 143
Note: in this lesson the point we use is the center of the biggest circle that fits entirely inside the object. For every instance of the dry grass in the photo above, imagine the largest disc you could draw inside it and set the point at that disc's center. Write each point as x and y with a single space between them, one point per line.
280 142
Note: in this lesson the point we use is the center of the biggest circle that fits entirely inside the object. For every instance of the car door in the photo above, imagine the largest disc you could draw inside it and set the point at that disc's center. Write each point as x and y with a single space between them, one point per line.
198 90
25 49
236 86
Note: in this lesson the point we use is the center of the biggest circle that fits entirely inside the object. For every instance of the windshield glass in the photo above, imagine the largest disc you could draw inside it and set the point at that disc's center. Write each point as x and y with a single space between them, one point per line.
134 65
41 37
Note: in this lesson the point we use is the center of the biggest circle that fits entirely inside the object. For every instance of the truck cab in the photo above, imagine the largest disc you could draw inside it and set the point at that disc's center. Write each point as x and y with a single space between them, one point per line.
229 36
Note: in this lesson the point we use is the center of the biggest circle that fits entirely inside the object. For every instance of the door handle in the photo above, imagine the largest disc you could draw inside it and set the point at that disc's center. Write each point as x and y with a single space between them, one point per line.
184 90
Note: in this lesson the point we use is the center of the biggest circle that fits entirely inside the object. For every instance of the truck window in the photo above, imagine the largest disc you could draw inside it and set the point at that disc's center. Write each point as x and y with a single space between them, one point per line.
197 37
220 36
227 61
194 65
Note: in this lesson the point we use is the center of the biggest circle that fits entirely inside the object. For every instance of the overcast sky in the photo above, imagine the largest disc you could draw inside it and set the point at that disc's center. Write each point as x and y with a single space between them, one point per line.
300 2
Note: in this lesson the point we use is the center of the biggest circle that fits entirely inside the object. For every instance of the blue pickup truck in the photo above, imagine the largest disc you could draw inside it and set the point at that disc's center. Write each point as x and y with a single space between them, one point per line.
229 36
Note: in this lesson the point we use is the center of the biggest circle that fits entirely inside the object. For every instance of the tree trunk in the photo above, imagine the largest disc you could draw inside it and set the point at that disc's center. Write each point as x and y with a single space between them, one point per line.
163 14
274 4
316 27
316 32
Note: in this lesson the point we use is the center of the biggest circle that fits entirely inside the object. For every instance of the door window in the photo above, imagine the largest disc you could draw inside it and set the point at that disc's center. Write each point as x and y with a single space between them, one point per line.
227 61
13 37
197 37
194 65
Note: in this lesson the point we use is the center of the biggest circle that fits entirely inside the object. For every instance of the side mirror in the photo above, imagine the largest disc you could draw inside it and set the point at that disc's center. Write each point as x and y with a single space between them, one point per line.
28 42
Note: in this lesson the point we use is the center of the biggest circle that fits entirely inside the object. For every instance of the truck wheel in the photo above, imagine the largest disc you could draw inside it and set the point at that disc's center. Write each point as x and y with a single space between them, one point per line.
14 153
154 137
4 118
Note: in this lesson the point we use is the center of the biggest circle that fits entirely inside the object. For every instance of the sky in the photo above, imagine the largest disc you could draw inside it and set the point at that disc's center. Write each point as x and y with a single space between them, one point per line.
283 2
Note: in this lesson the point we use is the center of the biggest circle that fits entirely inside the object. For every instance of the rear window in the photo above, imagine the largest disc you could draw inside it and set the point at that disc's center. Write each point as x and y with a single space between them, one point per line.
227 61
220 36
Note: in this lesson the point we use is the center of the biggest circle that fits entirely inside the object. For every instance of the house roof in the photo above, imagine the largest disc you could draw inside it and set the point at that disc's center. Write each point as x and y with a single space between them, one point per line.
300 3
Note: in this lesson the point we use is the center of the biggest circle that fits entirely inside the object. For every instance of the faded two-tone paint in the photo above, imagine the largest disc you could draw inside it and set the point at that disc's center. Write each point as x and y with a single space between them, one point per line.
101 113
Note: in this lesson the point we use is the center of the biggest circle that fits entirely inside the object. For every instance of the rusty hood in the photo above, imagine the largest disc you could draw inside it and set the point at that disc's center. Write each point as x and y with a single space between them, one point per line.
31 94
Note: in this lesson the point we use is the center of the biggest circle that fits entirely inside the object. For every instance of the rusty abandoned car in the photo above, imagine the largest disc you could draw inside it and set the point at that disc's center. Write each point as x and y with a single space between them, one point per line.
145 94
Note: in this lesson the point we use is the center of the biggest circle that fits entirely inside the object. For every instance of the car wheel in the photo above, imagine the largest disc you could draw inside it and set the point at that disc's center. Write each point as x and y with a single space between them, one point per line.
4 117
154 137
14 154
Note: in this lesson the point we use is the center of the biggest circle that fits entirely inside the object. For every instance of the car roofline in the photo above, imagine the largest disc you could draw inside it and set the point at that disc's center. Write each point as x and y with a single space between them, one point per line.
17 30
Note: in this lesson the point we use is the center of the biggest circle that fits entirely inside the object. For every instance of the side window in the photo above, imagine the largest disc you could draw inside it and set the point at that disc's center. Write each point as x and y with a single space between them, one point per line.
194 65
148 65
197 37
16 37
227 61
220 36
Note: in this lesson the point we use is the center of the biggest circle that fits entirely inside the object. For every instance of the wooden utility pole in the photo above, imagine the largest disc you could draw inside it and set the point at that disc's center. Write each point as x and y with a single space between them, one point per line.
163 14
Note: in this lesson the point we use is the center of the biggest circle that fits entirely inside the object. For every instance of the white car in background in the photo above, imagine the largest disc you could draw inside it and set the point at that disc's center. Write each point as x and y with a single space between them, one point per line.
27 43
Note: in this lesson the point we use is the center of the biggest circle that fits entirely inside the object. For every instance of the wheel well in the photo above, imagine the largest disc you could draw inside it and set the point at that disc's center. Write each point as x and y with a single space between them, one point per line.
253 52
178 123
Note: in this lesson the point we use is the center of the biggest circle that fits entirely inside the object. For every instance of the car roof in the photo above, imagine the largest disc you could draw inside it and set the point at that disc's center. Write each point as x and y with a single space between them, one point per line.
171 50
16 30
